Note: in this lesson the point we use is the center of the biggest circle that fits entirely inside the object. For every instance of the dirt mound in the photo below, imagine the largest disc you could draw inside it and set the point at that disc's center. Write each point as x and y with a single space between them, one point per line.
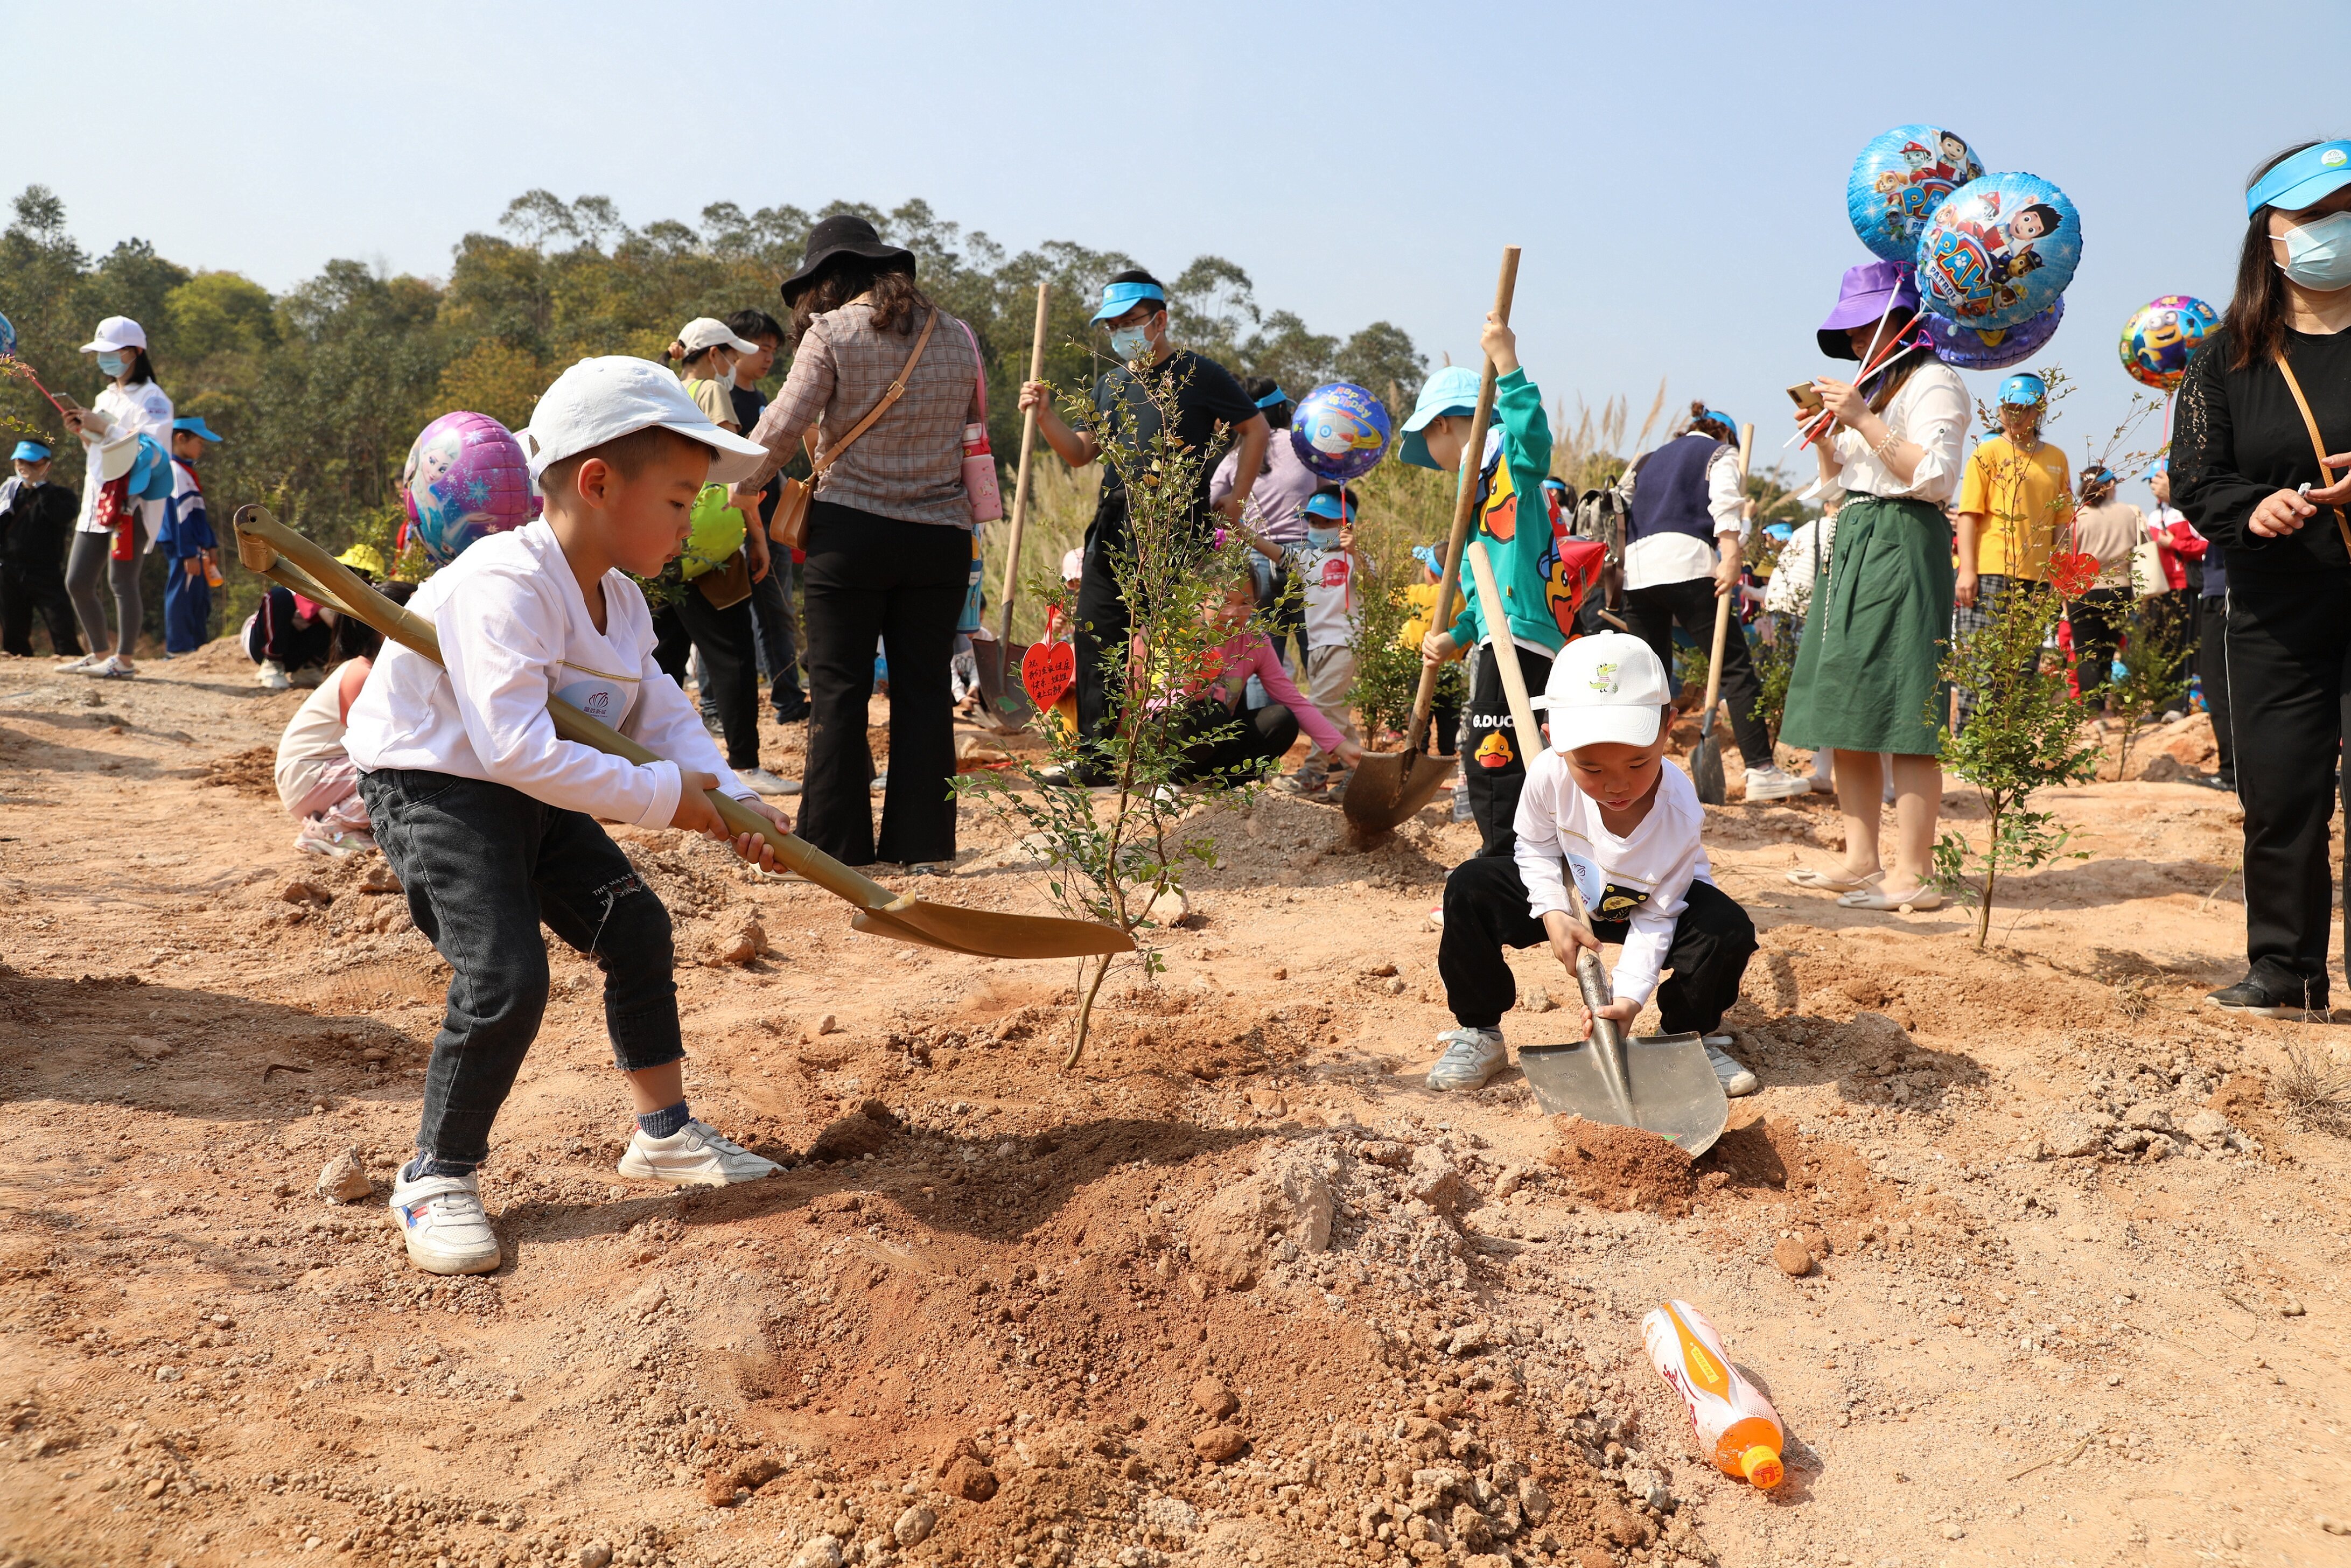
253 771
1622 1167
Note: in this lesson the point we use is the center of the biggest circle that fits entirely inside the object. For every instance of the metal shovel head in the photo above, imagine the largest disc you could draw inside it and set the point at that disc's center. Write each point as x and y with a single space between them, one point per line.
1705 770
1388 786
1675 1092
1005 703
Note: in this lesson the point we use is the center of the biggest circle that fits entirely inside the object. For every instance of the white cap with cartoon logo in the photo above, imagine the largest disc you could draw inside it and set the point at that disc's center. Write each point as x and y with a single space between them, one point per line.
1607 687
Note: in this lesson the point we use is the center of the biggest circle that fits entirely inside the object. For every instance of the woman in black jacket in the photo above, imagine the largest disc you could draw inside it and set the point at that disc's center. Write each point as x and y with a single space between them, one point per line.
2263 428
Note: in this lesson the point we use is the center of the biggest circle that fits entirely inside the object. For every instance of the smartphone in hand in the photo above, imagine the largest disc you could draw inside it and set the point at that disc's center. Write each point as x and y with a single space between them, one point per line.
1806 396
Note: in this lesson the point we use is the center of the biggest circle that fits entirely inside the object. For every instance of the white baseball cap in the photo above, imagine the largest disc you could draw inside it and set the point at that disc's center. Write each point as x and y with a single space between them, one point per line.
1605 687
709 332
116 332
603 399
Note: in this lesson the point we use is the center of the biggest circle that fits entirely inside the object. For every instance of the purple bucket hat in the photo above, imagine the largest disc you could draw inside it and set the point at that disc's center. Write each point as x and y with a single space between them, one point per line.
1868 292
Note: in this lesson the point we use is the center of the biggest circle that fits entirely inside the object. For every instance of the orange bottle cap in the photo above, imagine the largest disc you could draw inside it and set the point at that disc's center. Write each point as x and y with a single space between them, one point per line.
1762 1466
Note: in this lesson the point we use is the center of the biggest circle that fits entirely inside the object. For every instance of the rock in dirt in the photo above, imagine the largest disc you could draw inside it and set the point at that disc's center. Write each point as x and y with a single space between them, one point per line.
381 878
817 1552
1434 1180
594 1554
1269 1102
1387 1152
866 1131
1794 1260
747 942
1621 1168
825 1025
2208 1128
344 1179
1216 1401
1216 1444
914 1526
1612 1521
2147 1116
300 891
1231 1234
969 1479
147 1048
2072 1136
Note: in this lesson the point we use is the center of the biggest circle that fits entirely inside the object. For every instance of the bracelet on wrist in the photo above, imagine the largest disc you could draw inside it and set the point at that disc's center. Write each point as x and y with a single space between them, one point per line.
1884 448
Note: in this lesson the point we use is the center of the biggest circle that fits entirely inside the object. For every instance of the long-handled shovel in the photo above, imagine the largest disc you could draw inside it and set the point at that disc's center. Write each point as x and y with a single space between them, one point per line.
283 556
1663 1083
1388 786
1706 762
1004 700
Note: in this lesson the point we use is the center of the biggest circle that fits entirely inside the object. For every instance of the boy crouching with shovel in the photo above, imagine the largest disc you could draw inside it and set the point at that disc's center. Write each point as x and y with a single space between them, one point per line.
1601 803
489 817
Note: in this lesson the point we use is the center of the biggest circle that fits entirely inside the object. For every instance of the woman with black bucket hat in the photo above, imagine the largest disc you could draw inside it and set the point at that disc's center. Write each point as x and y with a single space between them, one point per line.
888 540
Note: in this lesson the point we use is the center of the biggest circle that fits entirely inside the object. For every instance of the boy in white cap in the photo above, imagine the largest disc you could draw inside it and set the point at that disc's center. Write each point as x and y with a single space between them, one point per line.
1599 804
489 817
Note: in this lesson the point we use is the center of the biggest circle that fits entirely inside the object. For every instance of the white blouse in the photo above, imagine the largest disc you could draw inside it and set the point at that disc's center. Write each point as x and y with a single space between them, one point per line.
134 411
1931 409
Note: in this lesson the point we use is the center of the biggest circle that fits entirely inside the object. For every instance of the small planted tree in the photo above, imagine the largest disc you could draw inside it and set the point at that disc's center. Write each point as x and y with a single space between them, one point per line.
2025 734
1118 851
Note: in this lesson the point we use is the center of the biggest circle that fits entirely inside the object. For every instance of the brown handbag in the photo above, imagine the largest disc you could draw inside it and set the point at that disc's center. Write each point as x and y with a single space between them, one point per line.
2317 444
726 586
788 525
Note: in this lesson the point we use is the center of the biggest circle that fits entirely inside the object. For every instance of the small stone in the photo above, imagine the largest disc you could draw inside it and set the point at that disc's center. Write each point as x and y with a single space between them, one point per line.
1953 1533
2334 1526
300 891
2289 1308
818 1552
1216 1401
827 1024
2071 1137
969 1479
155 1487
1218 1444
2208 1128
595 1555
147 1048
1269 1102
343 1179
2147 1116
1542 1001
1794 1260
914 1526
1387 1152
1381 971
375 1056
748 943
1281 973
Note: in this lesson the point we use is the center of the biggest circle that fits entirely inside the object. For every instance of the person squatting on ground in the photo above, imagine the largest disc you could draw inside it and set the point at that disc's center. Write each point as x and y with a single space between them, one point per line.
2016 505
191 551
2246 468
1129 411
115 528
1684 541
491 839
1320 570
35 516
1601 804
1219 735
316 781
1533 618
289 638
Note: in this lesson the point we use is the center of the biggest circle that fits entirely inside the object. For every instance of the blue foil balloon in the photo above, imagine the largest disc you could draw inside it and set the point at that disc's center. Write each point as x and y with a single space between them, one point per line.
7 336
2000 251
2160 336
1900 178
1340 430
1970 348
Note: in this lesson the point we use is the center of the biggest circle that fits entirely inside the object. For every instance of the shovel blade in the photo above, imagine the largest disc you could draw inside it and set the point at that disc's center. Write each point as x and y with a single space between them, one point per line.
1388 786
1006 702
990 934
1674 1090
1706 772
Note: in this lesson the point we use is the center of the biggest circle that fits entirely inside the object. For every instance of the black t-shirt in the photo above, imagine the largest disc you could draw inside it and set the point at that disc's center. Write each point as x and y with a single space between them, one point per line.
750 403
1205 394
2237 438
33 529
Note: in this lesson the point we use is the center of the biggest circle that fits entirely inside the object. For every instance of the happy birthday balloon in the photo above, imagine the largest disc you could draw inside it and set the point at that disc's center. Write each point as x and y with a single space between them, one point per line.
2000 251
1898 180
1340 430
2160 336
1967 348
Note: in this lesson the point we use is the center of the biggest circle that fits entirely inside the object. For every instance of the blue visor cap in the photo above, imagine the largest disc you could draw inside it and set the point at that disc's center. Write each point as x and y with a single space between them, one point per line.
2023 391
194 426
1723 419
2304 180
1118 298
1781 532
1326 504
1275 399
1453 389
30 451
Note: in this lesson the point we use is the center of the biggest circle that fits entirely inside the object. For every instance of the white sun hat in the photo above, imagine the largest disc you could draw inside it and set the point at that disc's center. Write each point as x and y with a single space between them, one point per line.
603 399
1605 687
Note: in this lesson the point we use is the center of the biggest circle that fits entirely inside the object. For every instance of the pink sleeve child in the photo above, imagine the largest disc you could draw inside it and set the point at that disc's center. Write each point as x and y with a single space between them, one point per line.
1255 656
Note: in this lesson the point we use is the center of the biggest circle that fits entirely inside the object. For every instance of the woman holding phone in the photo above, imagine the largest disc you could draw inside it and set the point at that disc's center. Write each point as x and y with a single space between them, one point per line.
1869 671
131 405
2259 445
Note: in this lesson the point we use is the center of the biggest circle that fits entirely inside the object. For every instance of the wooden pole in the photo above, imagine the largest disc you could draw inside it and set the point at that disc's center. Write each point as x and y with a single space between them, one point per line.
1020 485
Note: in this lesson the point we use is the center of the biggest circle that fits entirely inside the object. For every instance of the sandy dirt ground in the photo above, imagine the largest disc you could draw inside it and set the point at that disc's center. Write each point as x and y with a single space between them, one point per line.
1238 1290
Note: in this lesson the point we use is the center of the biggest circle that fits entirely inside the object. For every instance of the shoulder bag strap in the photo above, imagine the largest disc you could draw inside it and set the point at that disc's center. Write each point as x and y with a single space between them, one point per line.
890 396
2317 444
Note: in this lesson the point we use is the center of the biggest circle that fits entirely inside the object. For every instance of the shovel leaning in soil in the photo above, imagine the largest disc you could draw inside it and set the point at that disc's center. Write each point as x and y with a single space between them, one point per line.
285 556
1706 761
1661 1083
1388 786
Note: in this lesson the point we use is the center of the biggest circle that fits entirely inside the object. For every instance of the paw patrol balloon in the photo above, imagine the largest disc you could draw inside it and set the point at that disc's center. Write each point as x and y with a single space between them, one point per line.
1340 430
2000 251
1965 348
2161 334
1900 178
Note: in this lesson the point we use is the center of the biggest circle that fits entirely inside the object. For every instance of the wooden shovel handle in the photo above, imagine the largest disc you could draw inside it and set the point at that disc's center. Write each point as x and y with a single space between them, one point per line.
1722 606
1020 485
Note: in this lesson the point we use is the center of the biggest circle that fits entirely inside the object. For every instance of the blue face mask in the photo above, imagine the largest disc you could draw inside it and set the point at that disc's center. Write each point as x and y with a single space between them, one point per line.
1131 343
1322 539
2318 254
112 364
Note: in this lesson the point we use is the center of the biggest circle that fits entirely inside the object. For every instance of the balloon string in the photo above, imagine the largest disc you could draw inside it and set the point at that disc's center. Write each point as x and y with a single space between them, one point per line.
1876 361
26 370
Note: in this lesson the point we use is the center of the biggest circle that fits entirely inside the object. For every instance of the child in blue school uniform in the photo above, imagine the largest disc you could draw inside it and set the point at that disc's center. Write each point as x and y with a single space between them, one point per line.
190 552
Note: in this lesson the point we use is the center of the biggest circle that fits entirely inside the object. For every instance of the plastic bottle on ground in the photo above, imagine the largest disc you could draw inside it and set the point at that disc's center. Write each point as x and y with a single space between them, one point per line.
1735 1423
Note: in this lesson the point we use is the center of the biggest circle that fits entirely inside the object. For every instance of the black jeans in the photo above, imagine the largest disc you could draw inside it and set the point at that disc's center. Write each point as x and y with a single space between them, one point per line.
484 864
1496 759
1099 622
779 652
2212 674
2098 621
1653 613
1252 742
872 576
690 621
2288 651
277 635
26 590
1486 911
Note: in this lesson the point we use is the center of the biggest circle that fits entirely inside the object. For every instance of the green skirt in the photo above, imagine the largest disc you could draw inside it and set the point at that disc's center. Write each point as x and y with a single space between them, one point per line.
1866 672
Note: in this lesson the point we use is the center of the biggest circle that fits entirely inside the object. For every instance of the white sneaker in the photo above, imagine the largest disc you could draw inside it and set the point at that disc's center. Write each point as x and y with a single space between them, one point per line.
1774 784
1735 1080
766 783
271 676
696 1154
442 1221
77 665
1437 917
1471 1057
115 668
1822 784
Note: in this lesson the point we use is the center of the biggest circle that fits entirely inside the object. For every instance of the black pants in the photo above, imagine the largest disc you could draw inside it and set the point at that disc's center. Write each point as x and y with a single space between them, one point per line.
1653 613
1252 741
1099 622
1287 604
2288 651
27 590
277 635
2098 621
690 621
1486 911
870 577
2212 674
1497 760
484 864
779 654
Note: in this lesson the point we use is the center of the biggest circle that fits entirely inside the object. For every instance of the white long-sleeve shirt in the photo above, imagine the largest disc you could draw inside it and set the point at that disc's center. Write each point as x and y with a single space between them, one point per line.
131 412
1659 559
1643 880
1931 409
515 631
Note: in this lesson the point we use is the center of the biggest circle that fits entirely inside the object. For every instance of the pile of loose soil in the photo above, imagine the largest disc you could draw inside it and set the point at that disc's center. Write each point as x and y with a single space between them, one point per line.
251 772
1622 1167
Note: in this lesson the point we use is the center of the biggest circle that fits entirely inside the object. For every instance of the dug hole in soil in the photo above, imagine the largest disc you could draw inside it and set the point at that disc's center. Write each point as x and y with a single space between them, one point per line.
2025 1246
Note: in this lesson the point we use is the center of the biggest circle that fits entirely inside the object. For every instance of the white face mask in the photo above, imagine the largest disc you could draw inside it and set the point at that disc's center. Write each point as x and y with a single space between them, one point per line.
727 379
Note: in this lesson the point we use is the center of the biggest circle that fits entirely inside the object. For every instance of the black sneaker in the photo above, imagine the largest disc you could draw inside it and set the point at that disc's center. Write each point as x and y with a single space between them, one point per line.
785 714
2249 996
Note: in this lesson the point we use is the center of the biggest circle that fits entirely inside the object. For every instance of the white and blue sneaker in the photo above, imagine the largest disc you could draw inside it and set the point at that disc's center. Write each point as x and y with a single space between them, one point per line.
444 1225
1471 1057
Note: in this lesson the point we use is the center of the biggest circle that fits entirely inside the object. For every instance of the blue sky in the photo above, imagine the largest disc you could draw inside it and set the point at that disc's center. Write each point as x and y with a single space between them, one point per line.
1674 172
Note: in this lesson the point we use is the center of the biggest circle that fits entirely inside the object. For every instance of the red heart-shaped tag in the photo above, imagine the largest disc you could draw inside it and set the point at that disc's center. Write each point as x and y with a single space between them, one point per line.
1049 670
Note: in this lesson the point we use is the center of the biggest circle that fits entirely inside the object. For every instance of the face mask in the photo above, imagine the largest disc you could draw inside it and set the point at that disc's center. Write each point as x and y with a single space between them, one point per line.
1131 343
2318 254
727 381
1322 539
112 364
